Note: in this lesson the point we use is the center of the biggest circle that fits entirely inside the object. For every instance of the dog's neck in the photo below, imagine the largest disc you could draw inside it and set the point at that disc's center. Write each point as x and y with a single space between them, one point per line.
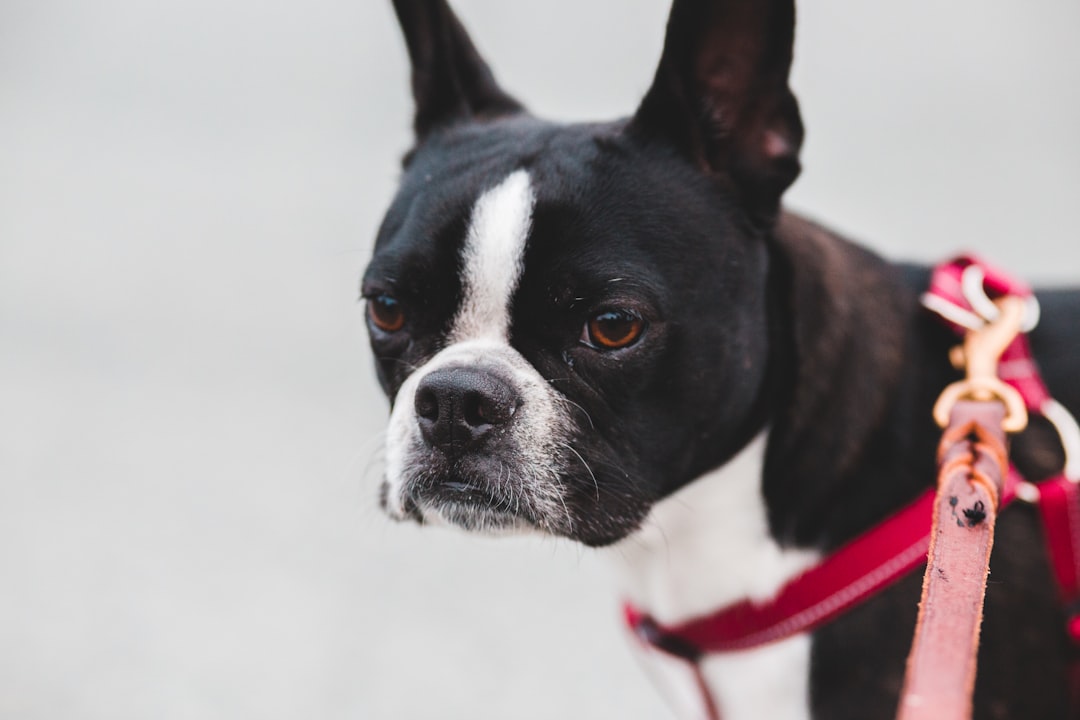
708 545
703 547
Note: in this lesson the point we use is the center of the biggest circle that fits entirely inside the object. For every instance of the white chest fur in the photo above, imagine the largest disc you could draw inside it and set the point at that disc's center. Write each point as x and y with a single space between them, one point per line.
704 547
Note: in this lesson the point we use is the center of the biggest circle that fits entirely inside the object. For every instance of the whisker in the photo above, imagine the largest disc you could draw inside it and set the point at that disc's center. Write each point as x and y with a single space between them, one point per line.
399 361
596 485
569 520
583 412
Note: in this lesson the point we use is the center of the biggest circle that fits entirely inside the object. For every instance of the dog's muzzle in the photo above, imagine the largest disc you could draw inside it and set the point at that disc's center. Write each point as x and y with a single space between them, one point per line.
475 441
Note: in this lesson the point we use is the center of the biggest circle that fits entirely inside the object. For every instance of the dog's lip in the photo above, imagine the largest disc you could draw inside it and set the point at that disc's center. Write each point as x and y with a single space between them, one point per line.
464 495
410 509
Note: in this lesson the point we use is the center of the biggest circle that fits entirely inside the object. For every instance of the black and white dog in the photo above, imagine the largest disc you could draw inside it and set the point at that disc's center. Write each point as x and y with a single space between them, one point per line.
612 332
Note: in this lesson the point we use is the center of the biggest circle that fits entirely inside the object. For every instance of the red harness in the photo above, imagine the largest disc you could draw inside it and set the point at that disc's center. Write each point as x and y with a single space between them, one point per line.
960 292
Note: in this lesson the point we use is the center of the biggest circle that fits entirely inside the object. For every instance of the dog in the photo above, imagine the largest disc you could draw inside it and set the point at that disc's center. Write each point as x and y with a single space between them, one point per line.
614 333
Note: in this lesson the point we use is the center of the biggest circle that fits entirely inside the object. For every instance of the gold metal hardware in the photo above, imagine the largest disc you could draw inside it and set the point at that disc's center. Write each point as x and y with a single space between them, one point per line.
978 357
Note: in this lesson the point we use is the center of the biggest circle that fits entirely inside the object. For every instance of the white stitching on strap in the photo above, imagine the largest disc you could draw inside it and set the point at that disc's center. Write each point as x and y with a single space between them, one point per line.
838 599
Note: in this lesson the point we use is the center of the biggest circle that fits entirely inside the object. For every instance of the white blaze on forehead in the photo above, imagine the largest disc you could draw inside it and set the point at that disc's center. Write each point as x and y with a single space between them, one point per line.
492 258
492 262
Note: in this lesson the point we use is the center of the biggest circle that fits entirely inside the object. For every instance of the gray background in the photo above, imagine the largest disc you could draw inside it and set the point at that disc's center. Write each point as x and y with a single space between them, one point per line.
189 426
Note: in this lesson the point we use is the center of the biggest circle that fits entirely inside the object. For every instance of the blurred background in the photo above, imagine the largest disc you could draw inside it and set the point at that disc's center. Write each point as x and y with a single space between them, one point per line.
189 424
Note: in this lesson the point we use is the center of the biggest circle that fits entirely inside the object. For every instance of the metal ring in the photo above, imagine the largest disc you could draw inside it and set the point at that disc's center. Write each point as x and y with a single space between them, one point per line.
1069 432
973 285
952 312
972 282
1016 416
1028 492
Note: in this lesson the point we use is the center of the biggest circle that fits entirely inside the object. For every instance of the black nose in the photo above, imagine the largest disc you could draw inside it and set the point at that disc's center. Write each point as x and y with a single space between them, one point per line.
457 406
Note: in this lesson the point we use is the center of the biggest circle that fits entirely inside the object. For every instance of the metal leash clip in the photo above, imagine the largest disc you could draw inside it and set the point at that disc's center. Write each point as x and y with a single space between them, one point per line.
978 357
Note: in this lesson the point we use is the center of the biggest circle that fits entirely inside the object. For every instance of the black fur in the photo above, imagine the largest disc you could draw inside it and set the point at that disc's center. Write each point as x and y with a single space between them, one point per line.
754 318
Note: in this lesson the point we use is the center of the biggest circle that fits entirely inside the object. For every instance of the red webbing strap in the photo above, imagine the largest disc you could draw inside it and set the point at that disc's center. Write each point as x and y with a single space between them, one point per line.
867 564
852 574
941 667
1059 505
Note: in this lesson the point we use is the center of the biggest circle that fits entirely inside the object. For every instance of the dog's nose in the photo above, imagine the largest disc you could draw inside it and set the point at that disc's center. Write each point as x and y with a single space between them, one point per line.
457 406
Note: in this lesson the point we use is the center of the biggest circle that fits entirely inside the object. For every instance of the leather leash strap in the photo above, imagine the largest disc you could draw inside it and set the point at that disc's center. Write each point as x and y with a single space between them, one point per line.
972 465
941 667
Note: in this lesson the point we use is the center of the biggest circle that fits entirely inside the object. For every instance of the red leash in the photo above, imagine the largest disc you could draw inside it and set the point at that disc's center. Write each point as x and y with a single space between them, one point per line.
962 292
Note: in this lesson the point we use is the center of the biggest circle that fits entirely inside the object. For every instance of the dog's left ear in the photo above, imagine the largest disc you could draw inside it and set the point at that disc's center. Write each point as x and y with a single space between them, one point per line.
721 94
450 81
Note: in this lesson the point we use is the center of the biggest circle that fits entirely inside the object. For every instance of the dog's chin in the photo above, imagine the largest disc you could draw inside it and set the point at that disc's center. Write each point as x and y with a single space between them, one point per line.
465 506
474 519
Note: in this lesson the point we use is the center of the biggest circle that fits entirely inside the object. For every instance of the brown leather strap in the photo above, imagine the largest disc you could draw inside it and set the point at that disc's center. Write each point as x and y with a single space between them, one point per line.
972 464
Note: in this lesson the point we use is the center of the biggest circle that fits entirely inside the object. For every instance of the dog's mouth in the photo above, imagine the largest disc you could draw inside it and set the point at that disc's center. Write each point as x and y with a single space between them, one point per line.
466 503
460 497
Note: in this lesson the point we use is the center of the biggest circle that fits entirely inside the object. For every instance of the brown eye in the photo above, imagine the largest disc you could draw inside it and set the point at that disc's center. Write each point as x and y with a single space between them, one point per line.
386 313
613 329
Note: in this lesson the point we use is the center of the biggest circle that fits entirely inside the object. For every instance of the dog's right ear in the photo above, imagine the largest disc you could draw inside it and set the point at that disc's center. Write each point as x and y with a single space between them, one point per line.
450 81
721 94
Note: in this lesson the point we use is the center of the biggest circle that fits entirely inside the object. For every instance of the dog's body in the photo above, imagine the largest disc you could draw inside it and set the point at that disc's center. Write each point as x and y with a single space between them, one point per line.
581 326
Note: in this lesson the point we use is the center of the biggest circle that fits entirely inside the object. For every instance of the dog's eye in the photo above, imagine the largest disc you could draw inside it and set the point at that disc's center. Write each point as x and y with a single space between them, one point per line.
612 330
386 313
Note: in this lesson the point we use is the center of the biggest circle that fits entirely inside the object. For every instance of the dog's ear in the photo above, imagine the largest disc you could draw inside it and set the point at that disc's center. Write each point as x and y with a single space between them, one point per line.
450 81
721 94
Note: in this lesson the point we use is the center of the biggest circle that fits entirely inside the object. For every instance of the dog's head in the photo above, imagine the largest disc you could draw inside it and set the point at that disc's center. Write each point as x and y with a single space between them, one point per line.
572 321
